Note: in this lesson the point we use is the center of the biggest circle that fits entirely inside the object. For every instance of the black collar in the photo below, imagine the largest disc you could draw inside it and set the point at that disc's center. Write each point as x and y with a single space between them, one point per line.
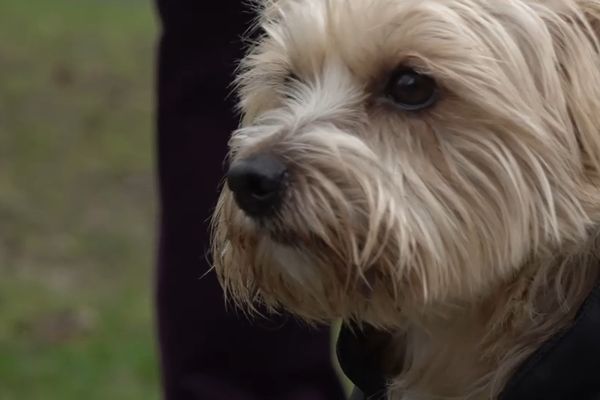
567 367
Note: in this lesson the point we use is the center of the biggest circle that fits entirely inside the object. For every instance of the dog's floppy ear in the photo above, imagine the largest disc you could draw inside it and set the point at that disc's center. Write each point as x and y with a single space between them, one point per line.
576 32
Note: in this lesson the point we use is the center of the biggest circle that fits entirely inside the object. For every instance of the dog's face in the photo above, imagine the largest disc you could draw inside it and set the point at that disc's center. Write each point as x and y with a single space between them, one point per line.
401 153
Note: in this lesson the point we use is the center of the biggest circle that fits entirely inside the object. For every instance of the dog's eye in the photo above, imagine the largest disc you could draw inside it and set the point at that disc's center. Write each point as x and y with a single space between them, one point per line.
411 91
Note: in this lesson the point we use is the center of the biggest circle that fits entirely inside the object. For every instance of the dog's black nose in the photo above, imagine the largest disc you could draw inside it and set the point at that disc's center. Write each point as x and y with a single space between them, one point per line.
257 184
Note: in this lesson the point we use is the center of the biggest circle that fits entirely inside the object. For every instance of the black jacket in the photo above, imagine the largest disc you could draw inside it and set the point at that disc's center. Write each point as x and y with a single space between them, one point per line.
565 368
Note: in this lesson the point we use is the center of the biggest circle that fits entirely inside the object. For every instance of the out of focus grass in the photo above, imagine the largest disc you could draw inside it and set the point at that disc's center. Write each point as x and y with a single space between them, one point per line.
76 200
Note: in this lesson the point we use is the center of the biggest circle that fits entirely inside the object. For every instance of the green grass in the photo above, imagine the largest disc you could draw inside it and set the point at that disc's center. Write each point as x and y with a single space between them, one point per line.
76 200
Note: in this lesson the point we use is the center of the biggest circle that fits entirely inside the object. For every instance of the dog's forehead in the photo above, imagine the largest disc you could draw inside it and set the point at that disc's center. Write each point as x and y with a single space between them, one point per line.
371 35
365 33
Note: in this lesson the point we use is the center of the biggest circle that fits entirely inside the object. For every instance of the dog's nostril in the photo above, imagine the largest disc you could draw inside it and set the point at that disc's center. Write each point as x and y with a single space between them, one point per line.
257 183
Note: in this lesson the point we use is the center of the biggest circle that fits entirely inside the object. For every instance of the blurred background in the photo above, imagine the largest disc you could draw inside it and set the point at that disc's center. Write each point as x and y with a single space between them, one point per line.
77 199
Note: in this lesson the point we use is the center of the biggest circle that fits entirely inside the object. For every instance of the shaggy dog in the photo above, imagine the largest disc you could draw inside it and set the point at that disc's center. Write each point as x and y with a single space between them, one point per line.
428 167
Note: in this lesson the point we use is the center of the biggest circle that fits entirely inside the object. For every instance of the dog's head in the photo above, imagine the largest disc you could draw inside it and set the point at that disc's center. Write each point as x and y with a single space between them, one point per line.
400 153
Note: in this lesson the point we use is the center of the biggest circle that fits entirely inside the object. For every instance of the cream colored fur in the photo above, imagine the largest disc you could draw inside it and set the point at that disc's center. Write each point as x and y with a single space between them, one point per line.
469 229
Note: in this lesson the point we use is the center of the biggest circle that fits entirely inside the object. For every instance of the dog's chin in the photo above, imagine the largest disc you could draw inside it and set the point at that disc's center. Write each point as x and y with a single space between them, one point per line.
288 271
289 258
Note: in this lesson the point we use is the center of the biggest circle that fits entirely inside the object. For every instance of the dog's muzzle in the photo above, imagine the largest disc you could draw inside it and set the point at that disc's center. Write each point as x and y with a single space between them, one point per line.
258 183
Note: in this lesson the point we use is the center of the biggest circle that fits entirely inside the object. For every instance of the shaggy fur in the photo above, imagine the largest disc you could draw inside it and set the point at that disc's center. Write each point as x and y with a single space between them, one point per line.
468 230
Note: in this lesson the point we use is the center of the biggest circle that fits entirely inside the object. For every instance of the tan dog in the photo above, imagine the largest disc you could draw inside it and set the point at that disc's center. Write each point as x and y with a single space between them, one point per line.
429 167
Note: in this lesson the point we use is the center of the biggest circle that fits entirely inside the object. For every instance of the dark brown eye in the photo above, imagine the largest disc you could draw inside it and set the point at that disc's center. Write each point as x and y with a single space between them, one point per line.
411 91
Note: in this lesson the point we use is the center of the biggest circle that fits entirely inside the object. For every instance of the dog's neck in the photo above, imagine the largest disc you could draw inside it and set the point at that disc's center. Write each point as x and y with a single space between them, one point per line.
471 352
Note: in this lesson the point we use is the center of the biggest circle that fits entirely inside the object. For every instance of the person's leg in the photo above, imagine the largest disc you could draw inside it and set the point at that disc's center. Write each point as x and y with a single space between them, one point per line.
208 353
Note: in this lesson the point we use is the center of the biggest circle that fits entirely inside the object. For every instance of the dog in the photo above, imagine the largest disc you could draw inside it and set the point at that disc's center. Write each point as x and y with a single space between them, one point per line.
430 168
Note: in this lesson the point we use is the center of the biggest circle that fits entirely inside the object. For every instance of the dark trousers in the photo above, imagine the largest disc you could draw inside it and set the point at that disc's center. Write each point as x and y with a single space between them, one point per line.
206 352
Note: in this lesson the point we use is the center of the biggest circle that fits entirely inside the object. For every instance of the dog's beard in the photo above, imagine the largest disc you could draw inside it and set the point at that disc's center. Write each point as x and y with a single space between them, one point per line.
319 253
366 234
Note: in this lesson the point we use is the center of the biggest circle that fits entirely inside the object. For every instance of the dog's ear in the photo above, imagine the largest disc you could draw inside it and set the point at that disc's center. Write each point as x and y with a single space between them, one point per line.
576 31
